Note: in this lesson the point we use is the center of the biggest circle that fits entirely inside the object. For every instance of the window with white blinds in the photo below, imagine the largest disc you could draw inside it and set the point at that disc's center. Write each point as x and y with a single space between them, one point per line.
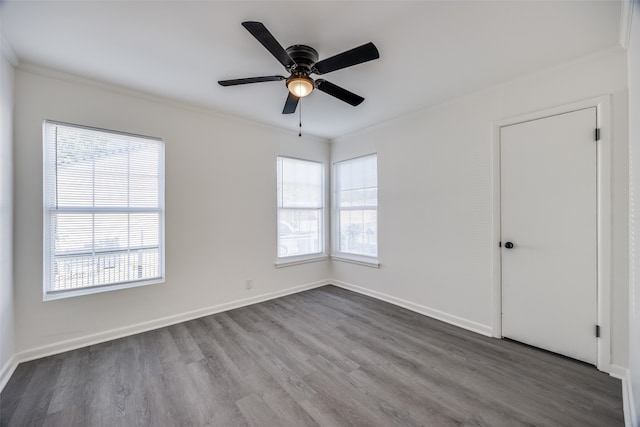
103 210
356 206
300 207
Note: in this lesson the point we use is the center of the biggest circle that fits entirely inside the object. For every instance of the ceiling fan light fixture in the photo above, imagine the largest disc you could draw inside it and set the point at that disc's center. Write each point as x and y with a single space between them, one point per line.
300 86
300 61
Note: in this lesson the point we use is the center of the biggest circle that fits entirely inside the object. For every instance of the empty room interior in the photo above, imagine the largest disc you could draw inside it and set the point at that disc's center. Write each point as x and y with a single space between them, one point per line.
320 213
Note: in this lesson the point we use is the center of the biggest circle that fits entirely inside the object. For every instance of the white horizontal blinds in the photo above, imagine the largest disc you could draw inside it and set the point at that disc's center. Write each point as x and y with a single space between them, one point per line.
103 207
357 206
300 207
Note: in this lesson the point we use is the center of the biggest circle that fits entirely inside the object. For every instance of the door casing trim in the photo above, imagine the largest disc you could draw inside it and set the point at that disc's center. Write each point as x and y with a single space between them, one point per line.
603 197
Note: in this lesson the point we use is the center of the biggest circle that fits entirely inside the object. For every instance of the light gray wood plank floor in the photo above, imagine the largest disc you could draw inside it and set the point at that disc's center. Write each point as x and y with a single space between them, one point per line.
324 357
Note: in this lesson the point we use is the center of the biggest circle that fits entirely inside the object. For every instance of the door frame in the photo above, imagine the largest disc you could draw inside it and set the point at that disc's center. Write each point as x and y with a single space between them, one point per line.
603 215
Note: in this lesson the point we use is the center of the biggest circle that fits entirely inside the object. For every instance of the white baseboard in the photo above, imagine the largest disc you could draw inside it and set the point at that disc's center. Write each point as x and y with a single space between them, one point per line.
630 415
623 374
75 343
615 371
633 415
618 372
7 370
422 309
38 352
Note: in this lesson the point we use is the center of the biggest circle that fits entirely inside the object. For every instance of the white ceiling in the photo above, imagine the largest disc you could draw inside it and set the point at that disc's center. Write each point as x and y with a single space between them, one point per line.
429 51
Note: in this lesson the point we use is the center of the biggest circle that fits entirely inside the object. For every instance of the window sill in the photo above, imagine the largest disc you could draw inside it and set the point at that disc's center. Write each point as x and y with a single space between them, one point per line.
304 259
359 260
54 295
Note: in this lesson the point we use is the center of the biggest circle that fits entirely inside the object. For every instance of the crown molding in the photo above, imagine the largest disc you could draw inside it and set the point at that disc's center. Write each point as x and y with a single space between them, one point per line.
8 52
626 12
599 55
44 71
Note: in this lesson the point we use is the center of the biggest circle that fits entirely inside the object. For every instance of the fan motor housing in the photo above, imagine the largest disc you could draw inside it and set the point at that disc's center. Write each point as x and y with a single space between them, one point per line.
304 56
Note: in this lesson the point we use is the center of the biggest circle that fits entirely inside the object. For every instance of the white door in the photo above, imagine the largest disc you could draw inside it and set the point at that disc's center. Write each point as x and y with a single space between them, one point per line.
548 214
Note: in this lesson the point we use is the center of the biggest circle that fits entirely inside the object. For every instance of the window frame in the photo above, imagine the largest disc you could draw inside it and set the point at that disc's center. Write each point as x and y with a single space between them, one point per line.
336 253
49 234
310 257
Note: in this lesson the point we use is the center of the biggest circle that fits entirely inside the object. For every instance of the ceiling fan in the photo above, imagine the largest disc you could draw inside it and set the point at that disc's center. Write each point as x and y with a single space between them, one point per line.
300 61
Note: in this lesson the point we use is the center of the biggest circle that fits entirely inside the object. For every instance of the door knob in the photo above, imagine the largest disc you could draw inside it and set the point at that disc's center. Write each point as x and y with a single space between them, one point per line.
508 245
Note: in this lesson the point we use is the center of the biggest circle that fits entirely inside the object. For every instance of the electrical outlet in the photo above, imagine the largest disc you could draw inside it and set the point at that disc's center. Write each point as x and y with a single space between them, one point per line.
248 284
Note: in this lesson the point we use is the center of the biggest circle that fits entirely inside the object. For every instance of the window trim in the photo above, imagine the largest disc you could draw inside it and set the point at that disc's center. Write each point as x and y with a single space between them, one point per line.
311 257
301 259
336 254
49 295
367 261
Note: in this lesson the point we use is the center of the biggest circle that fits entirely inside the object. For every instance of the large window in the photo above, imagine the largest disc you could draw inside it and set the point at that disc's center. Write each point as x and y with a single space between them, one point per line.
103 210
356 207
300 207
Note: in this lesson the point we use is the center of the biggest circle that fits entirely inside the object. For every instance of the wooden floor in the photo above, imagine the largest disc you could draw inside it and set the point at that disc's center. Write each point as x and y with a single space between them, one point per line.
325 357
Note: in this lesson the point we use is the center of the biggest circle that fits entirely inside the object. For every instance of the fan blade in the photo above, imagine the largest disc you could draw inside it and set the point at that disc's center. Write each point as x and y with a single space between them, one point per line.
338 92
290 104
251 80
357 55
260 32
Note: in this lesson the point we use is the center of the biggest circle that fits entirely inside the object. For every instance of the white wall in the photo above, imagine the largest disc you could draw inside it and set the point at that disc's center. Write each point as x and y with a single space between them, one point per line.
435 194
220 210
435 170
634 194
6 215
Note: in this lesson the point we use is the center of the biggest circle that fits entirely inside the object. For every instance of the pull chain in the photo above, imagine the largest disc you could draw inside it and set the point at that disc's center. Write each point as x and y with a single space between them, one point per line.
300 118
